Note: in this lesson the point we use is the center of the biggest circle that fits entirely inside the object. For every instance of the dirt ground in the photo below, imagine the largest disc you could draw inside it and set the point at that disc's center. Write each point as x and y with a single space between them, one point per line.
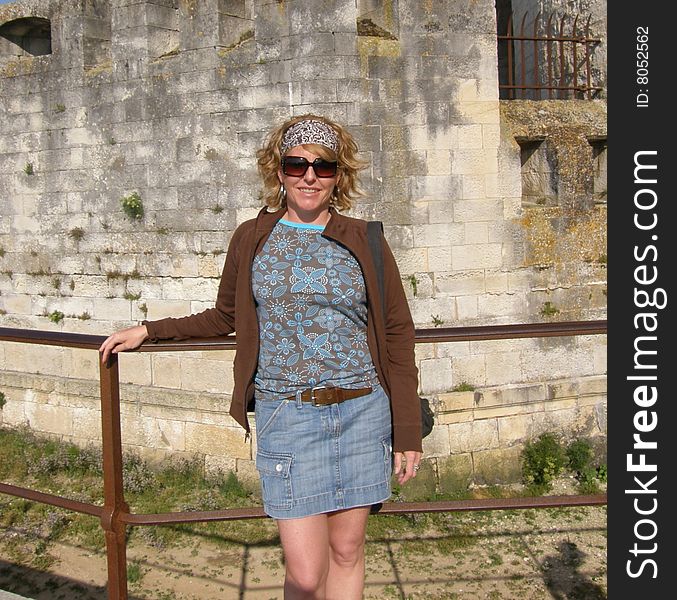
525 554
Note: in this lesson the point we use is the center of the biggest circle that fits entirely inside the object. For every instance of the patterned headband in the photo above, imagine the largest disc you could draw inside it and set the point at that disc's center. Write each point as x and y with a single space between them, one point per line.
309 132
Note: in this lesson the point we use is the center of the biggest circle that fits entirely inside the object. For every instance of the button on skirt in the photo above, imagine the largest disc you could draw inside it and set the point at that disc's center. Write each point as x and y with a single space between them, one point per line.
318 459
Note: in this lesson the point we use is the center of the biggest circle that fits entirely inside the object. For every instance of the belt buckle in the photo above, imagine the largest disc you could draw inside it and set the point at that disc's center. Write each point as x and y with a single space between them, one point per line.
312 393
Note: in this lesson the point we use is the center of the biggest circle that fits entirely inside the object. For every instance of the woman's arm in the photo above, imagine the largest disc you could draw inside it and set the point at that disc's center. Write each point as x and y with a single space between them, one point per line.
402 369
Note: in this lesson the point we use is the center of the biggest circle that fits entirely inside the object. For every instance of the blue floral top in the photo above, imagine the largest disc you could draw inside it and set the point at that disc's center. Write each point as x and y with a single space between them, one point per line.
312 311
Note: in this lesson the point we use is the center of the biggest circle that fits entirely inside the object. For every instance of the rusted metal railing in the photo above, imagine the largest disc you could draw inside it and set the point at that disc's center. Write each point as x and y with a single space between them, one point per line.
115 515
543 57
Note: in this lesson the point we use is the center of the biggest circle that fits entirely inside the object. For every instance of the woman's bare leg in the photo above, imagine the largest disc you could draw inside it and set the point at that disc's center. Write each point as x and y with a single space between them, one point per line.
324 555
346 553
305 543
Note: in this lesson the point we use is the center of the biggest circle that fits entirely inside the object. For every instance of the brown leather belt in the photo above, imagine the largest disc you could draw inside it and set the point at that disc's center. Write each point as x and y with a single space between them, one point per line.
330 395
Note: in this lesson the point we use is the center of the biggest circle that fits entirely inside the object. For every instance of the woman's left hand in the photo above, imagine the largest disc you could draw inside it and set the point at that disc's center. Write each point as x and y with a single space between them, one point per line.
406 465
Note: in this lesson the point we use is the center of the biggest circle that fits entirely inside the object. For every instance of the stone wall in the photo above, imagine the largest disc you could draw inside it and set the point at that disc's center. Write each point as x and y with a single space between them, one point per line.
169 99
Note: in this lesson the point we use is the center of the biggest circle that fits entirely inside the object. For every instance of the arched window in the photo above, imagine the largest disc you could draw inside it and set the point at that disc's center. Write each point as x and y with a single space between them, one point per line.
28 36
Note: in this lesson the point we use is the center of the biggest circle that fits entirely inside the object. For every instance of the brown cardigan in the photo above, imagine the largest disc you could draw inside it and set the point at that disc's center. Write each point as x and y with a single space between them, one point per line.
392 348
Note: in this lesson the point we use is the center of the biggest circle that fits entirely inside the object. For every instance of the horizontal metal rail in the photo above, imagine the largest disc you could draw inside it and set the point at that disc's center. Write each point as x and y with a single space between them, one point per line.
115 515
423 336
388 508
51 499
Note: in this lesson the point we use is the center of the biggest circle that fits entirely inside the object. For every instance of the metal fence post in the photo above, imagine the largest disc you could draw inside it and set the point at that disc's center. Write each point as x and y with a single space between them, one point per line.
114 502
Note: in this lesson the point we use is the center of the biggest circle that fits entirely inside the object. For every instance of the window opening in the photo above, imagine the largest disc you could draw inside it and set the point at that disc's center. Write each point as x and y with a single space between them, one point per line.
28 36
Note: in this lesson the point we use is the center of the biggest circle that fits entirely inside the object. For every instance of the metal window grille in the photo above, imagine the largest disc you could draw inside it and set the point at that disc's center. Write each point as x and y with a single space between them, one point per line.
546 59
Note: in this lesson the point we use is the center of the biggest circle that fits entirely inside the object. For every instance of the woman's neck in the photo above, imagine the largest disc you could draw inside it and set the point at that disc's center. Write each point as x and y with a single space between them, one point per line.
321 218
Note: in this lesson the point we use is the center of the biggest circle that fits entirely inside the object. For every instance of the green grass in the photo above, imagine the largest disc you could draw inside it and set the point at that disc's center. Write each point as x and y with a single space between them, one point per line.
134 573
181 485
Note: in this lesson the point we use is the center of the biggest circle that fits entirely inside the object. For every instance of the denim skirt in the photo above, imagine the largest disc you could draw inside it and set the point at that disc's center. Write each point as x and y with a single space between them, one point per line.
318 459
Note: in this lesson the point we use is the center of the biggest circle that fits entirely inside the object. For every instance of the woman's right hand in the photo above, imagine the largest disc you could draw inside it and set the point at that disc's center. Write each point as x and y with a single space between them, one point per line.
125 339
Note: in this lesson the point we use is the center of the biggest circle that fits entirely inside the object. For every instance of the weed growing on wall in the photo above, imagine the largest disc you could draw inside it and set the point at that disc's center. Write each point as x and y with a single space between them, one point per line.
77 233
132 206
413 282
542 461
549 309
56 316
545 458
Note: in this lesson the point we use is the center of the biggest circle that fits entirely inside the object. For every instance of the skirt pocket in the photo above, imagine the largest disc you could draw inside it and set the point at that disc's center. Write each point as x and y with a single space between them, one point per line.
265 413
387 458
276 485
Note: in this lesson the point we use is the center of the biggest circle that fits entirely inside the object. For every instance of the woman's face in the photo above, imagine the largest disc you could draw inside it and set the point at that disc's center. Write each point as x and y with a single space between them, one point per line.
307 196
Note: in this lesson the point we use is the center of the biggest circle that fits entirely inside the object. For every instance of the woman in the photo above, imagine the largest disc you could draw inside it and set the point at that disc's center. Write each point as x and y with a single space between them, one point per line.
333 378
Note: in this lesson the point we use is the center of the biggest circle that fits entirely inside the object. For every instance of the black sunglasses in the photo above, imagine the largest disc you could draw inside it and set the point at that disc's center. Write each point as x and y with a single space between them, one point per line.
296 166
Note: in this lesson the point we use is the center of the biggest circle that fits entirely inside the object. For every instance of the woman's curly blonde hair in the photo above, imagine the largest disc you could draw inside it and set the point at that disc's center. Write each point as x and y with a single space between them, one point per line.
347 185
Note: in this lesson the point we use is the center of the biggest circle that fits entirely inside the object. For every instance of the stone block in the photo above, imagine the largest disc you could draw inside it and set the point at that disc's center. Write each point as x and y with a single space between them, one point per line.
220 441
434 187
263 96
476 256
411 260
593 386
49 419
478 210
455 473
504 368
160 309
438 234
322 16
500 305
456 401
439 162
469 137
439 260
511 395
476 232
433 138
561 421
313 91
135 368
484 434
29 358
514 429
13 413
87 425
205 375
435 375
454 417
81 364
481 111
497 466
166 371
470 436
437 443
588 422
17 304
491 135
423 351
563 390
467 308
114 309
460 284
